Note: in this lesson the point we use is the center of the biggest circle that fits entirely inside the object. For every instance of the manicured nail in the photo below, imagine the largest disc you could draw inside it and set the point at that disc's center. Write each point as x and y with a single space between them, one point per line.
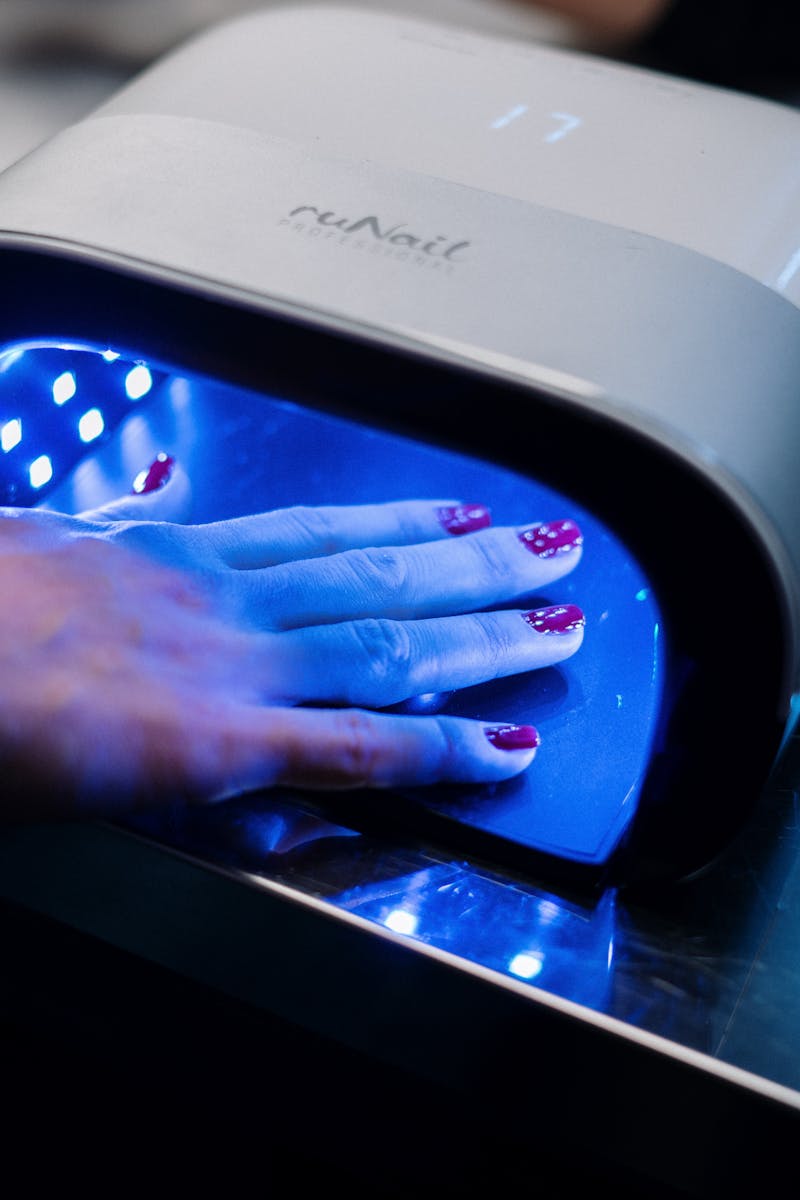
156 475
464 518
556 537
513 737
558 618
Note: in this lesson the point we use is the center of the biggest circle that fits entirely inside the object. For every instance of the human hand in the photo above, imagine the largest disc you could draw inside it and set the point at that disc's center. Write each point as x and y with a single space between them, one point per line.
144 660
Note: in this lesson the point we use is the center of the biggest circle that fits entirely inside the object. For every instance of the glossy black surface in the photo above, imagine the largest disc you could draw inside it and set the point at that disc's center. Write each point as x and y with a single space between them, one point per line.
710 963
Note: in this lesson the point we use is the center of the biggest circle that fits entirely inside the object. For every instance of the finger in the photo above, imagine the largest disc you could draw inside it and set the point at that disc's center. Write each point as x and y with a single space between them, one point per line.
288 534
350 748
377 663
160 492
492 566
218 751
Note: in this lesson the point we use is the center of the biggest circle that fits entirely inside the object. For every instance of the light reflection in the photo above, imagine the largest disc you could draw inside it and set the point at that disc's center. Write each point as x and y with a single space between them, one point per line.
789 271
402 921
140 482
64 387
9 358
564 946
110 356
11 434
40 471
547 911
528 965
91 425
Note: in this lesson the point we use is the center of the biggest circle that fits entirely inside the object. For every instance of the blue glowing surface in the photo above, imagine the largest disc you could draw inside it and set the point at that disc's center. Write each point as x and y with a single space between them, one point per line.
598 713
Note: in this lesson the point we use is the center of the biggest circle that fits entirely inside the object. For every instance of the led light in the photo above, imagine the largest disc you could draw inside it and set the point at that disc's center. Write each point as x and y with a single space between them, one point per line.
91 425
138 382
526 966
518 110
110 356
64 388
41 471
401 921
11 434
566 123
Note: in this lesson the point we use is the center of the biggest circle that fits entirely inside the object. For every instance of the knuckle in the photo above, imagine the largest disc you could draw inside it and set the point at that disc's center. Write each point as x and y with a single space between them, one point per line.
385 648
358 754
314 526
496 642
447 751
409 523
159 539
282 594
492 557
383 571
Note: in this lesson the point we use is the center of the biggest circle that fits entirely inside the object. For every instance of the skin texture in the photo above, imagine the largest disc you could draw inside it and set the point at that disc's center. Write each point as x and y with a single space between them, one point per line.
144 660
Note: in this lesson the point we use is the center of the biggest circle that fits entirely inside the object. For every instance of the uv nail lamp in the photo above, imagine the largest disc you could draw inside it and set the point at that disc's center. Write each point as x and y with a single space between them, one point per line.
361 257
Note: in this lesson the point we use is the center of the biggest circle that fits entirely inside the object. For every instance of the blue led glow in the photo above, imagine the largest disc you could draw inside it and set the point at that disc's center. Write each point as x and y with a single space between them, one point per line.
138 382
11 435
567 122
40 383
40 471
793 724
64 387
518 110
91 425
579 800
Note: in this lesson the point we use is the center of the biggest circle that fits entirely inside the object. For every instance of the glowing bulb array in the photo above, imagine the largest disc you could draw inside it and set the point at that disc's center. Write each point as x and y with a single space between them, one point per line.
54 401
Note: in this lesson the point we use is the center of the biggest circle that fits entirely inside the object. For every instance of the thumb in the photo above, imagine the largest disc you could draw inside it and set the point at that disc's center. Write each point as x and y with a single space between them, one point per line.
160 492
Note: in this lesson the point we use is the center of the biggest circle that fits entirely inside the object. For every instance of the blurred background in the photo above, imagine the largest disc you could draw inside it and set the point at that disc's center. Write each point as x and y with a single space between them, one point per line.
59 58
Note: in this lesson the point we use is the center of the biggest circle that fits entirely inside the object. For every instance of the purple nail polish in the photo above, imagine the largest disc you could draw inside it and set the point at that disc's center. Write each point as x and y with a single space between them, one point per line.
464 518
557 618
555 537
513 737
156 475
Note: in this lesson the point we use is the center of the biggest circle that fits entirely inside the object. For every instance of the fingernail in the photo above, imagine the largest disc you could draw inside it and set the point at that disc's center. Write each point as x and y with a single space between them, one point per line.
556 537
156 475
513 737
464 518
558 618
